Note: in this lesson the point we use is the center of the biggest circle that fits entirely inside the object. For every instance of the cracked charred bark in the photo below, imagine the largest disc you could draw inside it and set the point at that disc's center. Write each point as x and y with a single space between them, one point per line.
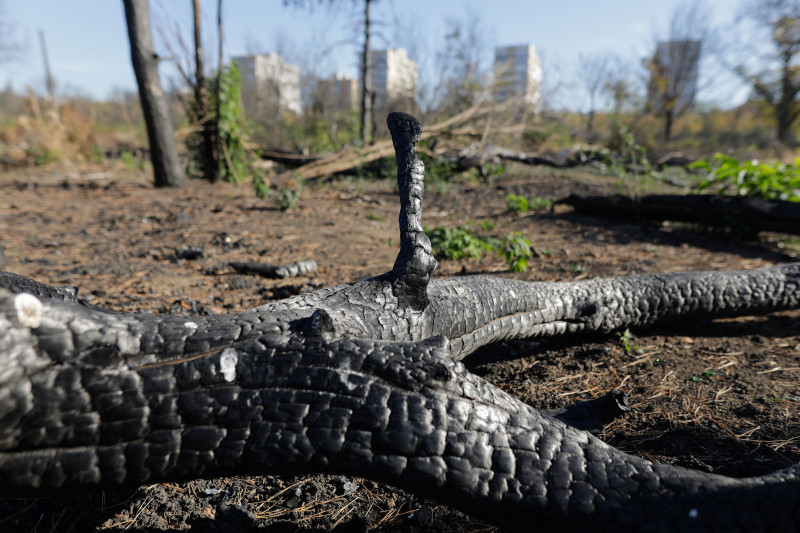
364 379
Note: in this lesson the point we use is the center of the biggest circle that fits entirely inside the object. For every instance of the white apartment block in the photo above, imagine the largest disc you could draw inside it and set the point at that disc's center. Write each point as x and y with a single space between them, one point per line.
341 92
518 74
269 85
394 76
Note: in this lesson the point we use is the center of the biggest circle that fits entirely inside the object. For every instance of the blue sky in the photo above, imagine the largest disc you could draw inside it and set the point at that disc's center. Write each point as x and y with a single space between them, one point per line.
88 46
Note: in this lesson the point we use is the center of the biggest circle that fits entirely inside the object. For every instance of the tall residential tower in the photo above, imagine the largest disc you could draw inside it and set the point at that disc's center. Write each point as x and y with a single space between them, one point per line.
518 74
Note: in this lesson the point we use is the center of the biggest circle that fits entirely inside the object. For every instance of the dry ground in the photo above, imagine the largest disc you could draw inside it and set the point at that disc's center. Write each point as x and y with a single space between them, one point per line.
720 395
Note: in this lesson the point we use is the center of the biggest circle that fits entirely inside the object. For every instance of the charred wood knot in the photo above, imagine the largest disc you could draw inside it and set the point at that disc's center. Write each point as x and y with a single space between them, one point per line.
319 324
587 310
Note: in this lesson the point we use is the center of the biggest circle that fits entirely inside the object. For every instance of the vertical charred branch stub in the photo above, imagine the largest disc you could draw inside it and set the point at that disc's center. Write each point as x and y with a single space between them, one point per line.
415 262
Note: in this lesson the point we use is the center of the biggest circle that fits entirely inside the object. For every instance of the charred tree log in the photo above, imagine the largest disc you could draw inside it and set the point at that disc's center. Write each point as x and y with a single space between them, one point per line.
298 268
363 379
717 210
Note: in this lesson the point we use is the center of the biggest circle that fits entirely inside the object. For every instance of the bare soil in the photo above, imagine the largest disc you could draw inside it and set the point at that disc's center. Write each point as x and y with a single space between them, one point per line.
717 395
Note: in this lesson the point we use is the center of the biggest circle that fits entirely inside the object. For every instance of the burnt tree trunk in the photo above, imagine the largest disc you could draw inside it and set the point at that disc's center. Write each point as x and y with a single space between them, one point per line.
210 157
163 152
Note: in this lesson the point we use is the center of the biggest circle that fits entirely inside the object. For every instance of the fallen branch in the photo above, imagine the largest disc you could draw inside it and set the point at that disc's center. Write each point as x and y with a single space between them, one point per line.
298 268
476 156
291 160
353 157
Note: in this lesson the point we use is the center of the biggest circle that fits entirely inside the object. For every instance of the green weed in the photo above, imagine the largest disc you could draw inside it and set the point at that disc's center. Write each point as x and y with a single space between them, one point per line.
516 250
462 243
538 203
626 338
516 203
770 181
457 243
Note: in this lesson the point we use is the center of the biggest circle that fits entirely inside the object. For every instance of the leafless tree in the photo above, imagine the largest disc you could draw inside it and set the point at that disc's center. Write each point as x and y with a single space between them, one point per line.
675 64
203 112
163 152
461 62
594 72
367 93
775 74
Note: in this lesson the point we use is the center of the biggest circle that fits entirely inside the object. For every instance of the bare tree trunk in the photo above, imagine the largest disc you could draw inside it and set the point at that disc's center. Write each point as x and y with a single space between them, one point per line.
366 81
49 79
669 119
163 152
210 157
218 86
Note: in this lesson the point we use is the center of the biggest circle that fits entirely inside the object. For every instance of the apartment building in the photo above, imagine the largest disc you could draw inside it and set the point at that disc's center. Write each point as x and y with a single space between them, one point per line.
518 74
269 85
394 77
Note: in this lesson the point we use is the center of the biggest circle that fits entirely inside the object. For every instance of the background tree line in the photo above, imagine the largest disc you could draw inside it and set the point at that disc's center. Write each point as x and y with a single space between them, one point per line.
643 98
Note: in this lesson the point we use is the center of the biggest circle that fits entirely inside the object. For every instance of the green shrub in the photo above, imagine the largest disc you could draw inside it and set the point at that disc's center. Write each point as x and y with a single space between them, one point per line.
771 181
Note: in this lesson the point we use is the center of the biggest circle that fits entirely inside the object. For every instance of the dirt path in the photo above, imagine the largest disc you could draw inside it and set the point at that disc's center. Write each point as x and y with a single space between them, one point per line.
721 396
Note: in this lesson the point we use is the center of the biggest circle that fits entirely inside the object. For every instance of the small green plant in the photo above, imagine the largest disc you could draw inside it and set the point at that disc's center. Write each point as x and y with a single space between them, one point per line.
288 196
653 250
488 225
457 243
628 160
770 181
462 243
487 170
547 252
97 155
374 216
261 187
768 400
706 374
576 268
516 250
127 159
517 203
626 338
538 203
44 156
